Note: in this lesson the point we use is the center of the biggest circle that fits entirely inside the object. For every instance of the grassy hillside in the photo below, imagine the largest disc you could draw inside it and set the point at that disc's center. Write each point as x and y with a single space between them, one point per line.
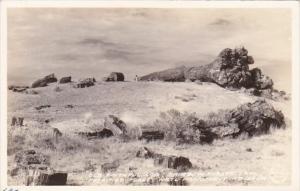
225 162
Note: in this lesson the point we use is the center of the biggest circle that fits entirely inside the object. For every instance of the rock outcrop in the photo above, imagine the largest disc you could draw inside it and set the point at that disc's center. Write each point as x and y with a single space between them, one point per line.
44 81
229 70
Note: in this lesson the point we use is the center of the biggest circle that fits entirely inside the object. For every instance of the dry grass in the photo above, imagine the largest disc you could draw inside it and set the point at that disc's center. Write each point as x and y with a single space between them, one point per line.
225 162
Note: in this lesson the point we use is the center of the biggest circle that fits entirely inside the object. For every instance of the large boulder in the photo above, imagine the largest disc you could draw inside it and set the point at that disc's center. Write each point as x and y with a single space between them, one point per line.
44 81
256 118
65 80
115 77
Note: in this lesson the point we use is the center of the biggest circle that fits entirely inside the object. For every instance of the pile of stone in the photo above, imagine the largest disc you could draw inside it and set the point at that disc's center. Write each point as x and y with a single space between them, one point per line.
174 162
229 70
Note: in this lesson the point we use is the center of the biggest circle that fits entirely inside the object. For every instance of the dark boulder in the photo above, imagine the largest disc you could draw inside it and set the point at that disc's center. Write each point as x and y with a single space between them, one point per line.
64 80
44 81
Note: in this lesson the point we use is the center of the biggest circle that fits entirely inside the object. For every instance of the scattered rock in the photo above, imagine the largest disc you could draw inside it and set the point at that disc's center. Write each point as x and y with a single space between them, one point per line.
177 181
97 134
65 80
85 83
151 135
179 163
174 162
42 107
116 125
44 81
110 167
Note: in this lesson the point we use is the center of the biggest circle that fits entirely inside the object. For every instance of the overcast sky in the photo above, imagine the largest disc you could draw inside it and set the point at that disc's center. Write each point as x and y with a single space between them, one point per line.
84 42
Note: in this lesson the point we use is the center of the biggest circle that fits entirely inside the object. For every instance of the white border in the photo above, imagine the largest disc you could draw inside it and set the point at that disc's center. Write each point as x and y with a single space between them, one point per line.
293 5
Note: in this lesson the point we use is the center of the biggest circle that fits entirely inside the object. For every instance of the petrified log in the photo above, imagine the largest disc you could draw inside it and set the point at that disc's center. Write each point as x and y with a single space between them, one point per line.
152 135
44 81
229 70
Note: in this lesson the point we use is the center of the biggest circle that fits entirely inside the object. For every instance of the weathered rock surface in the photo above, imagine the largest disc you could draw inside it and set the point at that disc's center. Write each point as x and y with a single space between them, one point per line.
170 75
256 118
64 80
229 70
44 81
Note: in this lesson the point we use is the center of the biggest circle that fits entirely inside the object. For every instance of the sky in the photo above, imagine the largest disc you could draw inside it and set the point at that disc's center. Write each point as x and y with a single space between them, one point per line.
92 42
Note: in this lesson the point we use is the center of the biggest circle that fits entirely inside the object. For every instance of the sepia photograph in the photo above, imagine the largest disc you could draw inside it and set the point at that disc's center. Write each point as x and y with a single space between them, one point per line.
149 96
